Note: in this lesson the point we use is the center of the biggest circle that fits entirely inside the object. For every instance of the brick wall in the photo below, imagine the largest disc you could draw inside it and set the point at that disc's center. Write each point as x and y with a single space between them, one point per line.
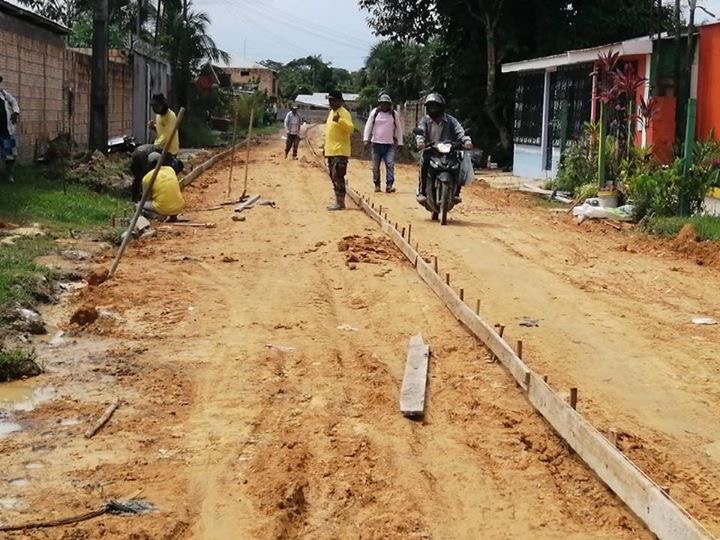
78 69
31 63
265 79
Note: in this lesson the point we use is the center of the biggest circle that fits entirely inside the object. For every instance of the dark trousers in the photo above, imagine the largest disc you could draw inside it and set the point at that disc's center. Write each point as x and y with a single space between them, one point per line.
337 167
292 141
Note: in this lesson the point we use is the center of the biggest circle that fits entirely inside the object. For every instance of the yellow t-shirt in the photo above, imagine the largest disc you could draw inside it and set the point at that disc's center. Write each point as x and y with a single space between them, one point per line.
166 195
164 124
337 134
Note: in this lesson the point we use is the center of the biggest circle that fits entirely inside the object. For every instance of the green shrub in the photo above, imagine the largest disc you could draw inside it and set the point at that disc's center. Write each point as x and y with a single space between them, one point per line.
578 165
17 364
195 133
587 191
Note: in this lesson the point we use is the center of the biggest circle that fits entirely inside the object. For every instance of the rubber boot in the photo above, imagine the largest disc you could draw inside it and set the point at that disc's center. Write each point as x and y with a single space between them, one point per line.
339 203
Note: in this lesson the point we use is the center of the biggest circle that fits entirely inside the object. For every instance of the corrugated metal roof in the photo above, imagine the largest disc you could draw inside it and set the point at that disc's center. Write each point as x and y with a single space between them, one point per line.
319 99
33 18
241 62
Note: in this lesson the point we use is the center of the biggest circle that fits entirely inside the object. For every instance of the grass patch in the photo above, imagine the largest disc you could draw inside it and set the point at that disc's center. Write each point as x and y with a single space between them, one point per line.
707 227
18 363
22 280
35 198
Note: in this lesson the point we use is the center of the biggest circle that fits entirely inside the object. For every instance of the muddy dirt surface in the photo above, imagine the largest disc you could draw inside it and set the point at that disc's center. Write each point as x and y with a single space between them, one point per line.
260 397
614 311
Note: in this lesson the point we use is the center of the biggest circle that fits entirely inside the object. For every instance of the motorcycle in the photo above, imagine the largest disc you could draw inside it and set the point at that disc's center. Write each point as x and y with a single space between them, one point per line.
443 176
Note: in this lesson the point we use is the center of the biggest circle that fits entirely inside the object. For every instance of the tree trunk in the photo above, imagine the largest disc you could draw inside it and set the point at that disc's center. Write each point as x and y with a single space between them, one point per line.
157 22
491 101
99 85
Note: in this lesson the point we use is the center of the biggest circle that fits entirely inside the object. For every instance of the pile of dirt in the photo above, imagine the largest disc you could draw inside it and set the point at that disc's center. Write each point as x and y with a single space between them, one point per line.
85 316
367 249
106 174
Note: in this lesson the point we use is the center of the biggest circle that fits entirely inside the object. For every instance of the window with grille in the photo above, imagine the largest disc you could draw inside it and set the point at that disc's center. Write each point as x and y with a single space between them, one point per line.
529 108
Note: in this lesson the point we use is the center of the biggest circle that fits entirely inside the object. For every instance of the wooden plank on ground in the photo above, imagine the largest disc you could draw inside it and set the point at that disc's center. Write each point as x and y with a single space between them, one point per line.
247 204
412 394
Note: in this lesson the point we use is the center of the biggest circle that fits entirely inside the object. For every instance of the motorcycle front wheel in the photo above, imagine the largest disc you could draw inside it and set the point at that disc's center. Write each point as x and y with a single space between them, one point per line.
444 202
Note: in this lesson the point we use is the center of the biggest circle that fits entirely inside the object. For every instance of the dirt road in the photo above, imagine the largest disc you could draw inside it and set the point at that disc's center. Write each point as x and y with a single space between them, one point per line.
614 311
260 378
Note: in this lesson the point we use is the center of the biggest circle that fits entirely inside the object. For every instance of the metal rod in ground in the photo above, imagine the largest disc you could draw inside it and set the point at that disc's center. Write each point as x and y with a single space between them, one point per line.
247 154
573 397
232 154
145 195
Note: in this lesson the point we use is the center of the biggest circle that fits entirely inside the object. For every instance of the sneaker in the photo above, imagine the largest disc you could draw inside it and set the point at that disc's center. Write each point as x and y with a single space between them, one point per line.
377 188
335 206
422 199
390 189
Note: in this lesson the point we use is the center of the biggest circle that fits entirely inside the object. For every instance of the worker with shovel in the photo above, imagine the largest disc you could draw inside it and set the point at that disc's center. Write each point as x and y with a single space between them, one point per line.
166 200
338 132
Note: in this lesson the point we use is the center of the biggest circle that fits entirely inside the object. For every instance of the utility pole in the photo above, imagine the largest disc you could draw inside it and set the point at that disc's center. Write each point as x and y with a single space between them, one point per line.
99 85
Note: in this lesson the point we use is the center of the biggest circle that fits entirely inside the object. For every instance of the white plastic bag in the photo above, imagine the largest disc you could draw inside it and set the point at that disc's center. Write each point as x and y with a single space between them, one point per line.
467 172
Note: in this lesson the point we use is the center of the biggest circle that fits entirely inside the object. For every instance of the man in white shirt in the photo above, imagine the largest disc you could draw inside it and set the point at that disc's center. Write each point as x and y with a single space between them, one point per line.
293 121
385 132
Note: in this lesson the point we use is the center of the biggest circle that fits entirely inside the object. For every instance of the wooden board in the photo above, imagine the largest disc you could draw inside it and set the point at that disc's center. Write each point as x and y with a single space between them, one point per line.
660 513
412 394
248 203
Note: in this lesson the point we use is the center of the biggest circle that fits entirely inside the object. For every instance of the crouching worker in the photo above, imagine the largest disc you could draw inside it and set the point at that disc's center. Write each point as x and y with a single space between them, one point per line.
166 200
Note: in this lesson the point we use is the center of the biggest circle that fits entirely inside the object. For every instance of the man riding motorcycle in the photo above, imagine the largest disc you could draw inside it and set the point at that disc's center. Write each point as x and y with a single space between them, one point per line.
437 126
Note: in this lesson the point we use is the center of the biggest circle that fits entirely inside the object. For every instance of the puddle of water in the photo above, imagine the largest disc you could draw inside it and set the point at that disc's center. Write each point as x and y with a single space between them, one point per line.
24 395
6 428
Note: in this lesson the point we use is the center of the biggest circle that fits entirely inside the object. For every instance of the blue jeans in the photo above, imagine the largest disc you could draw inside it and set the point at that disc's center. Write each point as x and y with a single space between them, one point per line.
386 153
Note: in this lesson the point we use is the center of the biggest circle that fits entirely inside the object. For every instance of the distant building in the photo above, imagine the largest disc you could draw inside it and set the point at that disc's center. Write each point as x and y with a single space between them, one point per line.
246 75
319 100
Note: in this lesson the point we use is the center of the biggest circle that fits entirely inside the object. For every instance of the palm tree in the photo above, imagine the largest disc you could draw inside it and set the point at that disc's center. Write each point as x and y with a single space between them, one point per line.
188 45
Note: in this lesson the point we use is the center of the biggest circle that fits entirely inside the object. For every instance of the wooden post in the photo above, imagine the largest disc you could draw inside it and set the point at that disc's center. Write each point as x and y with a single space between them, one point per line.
545 378
462 295
409 228
403 232
232 154
573 397
519 349
447 279
247 155
435 264
477 308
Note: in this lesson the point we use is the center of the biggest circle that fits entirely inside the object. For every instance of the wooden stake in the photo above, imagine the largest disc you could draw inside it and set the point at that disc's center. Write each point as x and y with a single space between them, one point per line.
409 227
247 155
103 419
519 348
573 398
435 264
447 279
527 381
403 232
613 437
545 379
477 308
462 295
232 155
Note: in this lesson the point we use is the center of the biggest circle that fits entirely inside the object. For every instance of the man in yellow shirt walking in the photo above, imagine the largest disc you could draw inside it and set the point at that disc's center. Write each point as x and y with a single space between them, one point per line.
338 131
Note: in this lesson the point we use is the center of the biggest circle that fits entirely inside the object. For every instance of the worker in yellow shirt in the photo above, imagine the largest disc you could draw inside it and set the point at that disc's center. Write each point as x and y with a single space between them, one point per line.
166 199
164 123
338 131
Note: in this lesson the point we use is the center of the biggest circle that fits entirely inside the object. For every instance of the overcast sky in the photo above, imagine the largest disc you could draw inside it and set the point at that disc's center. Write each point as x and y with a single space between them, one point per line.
286 29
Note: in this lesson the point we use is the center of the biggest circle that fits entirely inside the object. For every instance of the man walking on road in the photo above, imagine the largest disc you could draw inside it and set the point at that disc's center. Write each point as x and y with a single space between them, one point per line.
384 130
338 132
9 113
293 121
